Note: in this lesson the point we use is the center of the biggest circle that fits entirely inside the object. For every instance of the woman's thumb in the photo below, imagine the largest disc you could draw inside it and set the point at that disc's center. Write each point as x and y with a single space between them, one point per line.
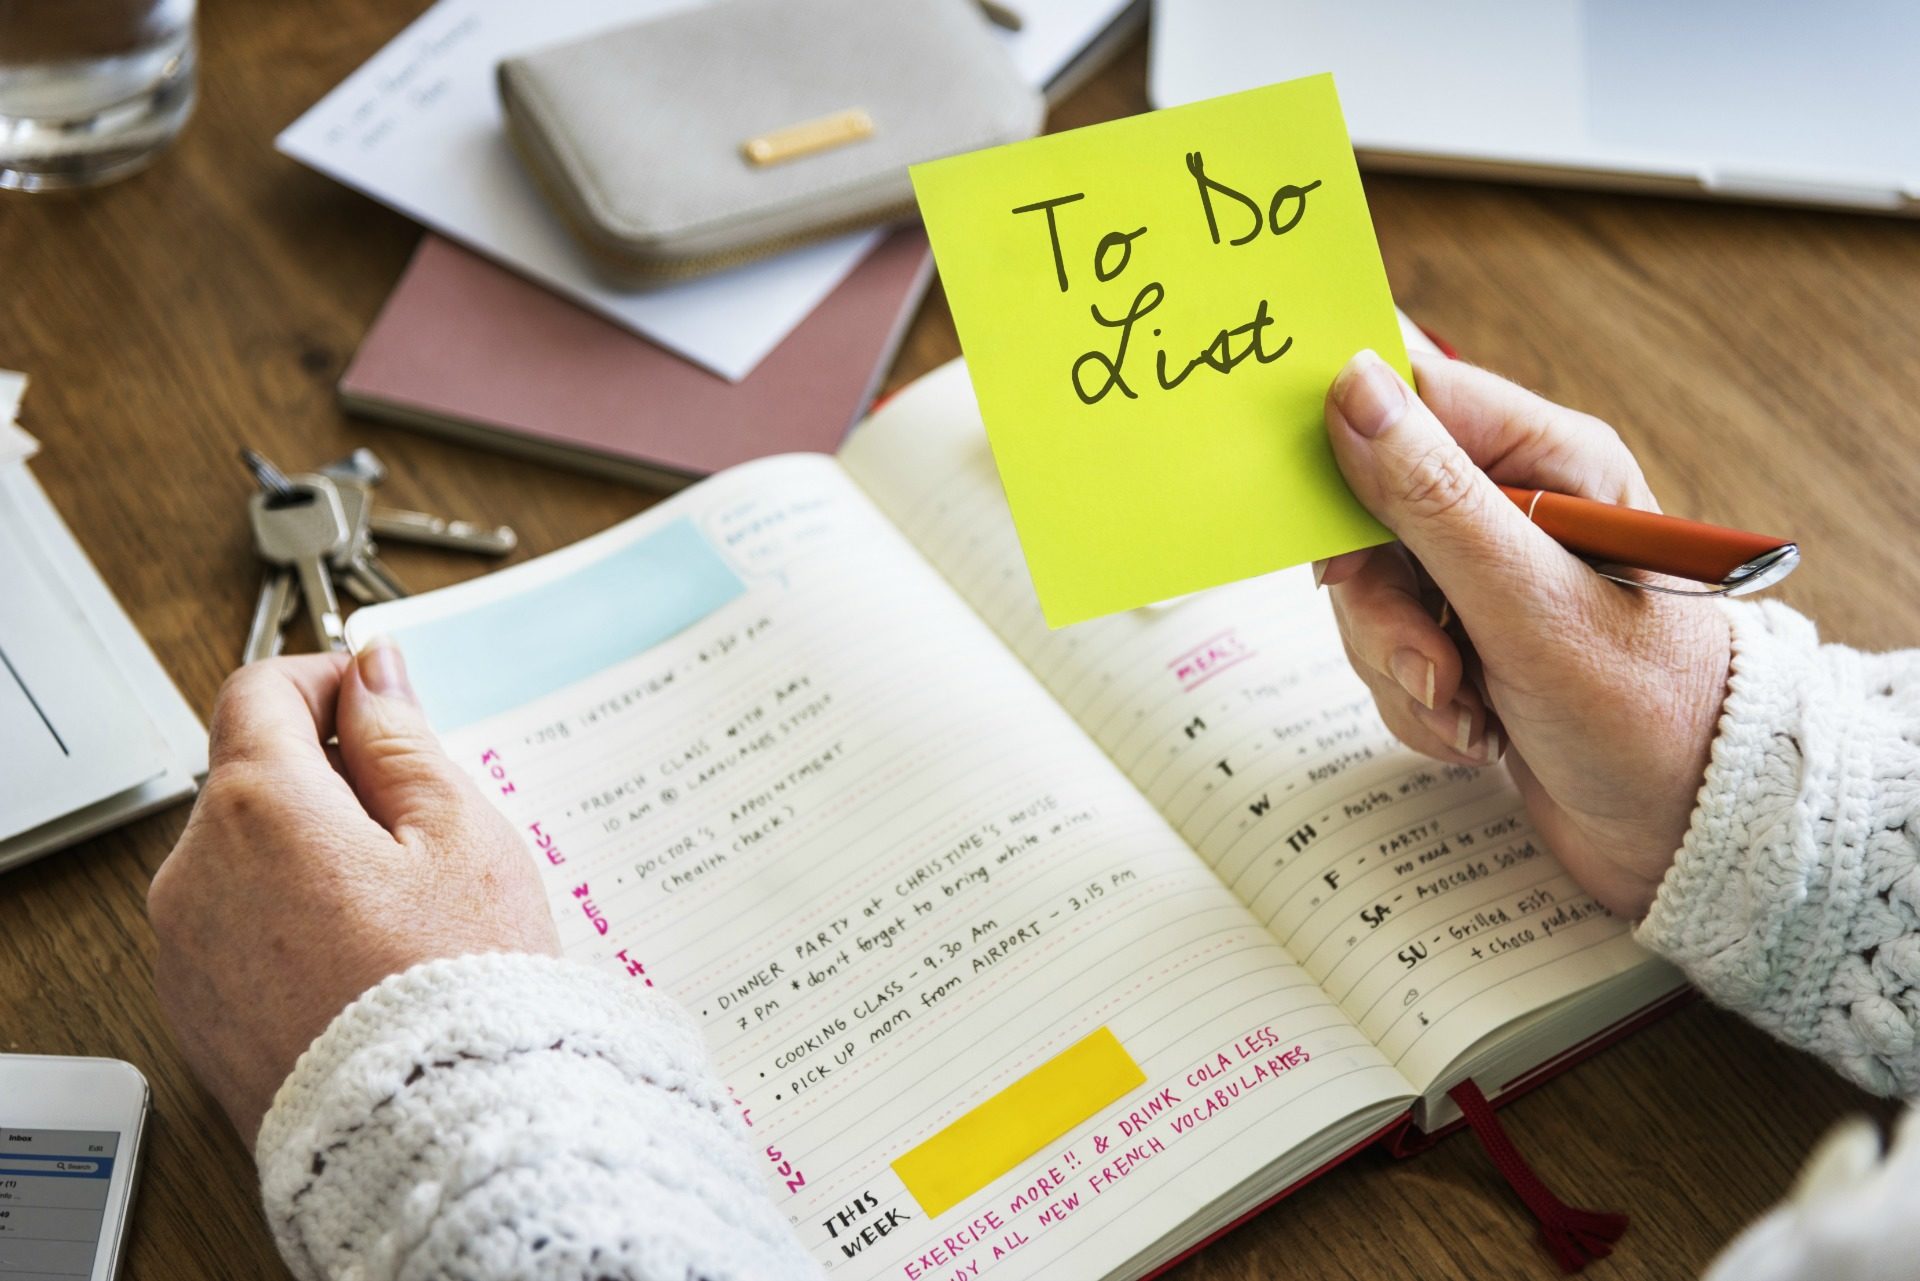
393 759
1407 469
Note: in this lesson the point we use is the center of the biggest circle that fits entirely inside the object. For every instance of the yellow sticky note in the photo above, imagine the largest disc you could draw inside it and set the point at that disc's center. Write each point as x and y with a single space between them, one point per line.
1017 1122
1152 310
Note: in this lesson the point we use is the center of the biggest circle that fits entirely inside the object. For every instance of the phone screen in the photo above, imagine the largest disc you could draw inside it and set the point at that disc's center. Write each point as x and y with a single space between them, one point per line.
53 1201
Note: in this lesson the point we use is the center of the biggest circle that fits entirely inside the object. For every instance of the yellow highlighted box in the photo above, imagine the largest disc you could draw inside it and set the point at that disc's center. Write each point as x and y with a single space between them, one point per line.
1017 1122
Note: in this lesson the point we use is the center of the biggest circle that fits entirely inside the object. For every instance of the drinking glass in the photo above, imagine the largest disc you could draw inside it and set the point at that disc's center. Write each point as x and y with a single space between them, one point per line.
90 90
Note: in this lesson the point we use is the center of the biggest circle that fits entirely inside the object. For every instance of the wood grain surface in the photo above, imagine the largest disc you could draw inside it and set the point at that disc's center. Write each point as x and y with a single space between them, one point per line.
1761 361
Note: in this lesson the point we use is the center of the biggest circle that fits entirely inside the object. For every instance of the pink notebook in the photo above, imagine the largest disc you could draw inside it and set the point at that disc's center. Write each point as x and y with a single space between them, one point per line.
469 350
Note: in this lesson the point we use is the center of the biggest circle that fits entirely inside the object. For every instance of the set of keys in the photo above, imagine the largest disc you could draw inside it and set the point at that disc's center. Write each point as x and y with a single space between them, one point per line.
318 529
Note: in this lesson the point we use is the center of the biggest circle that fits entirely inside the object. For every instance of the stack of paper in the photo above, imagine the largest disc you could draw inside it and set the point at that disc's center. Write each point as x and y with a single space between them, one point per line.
95 732
418 128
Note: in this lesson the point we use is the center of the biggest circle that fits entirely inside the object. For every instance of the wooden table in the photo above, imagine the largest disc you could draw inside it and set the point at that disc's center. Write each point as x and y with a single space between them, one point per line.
1761 361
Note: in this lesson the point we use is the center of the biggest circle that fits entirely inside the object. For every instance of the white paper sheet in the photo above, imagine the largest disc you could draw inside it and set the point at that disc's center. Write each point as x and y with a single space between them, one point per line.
74 729
15 445
95 734
44 538
418 128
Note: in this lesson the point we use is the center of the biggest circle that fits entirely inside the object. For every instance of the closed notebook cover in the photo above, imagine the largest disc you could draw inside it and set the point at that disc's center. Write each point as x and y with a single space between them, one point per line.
468 349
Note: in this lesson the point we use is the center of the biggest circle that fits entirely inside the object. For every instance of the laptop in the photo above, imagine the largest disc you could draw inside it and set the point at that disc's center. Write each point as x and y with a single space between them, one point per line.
1807 103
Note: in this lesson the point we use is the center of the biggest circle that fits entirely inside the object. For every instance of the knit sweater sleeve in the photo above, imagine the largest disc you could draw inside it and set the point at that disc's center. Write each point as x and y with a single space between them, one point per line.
1795 899
509 1116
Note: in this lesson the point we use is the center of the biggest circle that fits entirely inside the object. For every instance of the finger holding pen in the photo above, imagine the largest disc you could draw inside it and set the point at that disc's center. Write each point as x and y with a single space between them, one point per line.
1604 698
1412 667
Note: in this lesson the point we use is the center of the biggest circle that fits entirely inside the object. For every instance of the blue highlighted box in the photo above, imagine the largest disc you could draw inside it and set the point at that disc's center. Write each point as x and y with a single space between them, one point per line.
507 652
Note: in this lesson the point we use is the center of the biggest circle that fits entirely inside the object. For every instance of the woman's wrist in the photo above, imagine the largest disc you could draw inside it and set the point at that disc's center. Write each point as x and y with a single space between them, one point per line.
1695 672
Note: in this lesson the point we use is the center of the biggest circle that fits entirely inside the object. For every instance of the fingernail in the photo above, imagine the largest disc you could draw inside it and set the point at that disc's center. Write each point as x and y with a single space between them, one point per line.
1463 731
1320 573
383 670
1416 674
1446 612
1493 746
1369 394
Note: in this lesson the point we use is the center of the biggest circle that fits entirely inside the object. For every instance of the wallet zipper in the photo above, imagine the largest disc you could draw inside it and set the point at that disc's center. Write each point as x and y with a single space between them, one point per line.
654 271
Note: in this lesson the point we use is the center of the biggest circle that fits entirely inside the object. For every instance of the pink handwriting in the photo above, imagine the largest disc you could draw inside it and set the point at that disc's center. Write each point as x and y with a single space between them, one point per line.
1208 659
547 846
497 769
1231 1081
786 1170
1249 1046
636 970
592 912
958 1242
1144 1132
1122 1163
1052 1179
1143 1116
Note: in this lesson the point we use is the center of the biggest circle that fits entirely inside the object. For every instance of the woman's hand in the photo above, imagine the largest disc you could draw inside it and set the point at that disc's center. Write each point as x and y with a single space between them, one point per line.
1479 635
308 873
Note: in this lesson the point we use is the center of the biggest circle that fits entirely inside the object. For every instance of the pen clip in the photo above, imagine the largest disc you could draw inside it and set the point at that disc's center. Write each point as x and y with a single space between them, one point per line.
1758 574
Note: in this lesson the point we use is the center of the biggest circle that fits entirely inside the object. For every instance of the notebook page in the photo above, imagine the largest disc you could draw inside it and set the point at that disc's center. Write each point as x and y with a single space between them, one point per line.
1414 892
769 763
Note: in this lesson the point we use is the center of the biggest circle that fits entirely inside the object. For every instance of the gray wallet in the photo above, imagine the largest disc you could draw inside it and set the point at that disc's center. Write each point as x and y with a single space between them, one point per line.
723 133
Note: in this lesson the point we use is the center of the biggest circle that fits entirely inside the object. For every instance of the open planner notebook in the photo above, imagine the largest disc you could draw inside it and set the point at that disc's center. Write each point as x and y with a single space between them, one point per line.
1037 953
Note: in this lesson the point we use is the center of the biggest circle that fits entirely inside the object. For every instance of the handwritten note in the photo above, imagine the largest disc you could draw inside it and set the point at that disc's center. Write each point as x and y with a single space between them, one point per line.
1152 311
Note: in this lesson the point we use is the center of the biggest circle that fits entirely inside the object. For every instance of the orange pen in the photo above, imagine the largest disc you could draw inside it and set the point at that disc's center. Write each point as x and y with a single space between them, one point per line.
1730 562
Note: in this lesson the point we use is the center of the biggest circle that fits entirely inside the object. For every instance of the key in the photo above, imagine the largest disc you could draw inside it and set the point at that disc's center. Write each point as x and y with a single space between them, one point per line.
357 565
301 532
359 568
269 477
368 580
363 467
362 464
437 531
278 600
287 613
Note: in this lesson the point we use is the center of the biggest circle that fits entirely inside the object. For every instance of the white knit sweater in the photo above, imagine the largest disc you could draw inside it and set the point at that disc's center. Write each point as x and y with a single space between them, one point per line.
499 1117
1795 900
510 1116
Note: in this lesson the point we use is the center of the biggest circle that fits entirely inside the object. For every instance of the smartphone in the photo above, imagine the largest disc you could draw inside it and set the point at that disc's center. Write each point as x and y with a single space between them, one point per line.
70 1132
